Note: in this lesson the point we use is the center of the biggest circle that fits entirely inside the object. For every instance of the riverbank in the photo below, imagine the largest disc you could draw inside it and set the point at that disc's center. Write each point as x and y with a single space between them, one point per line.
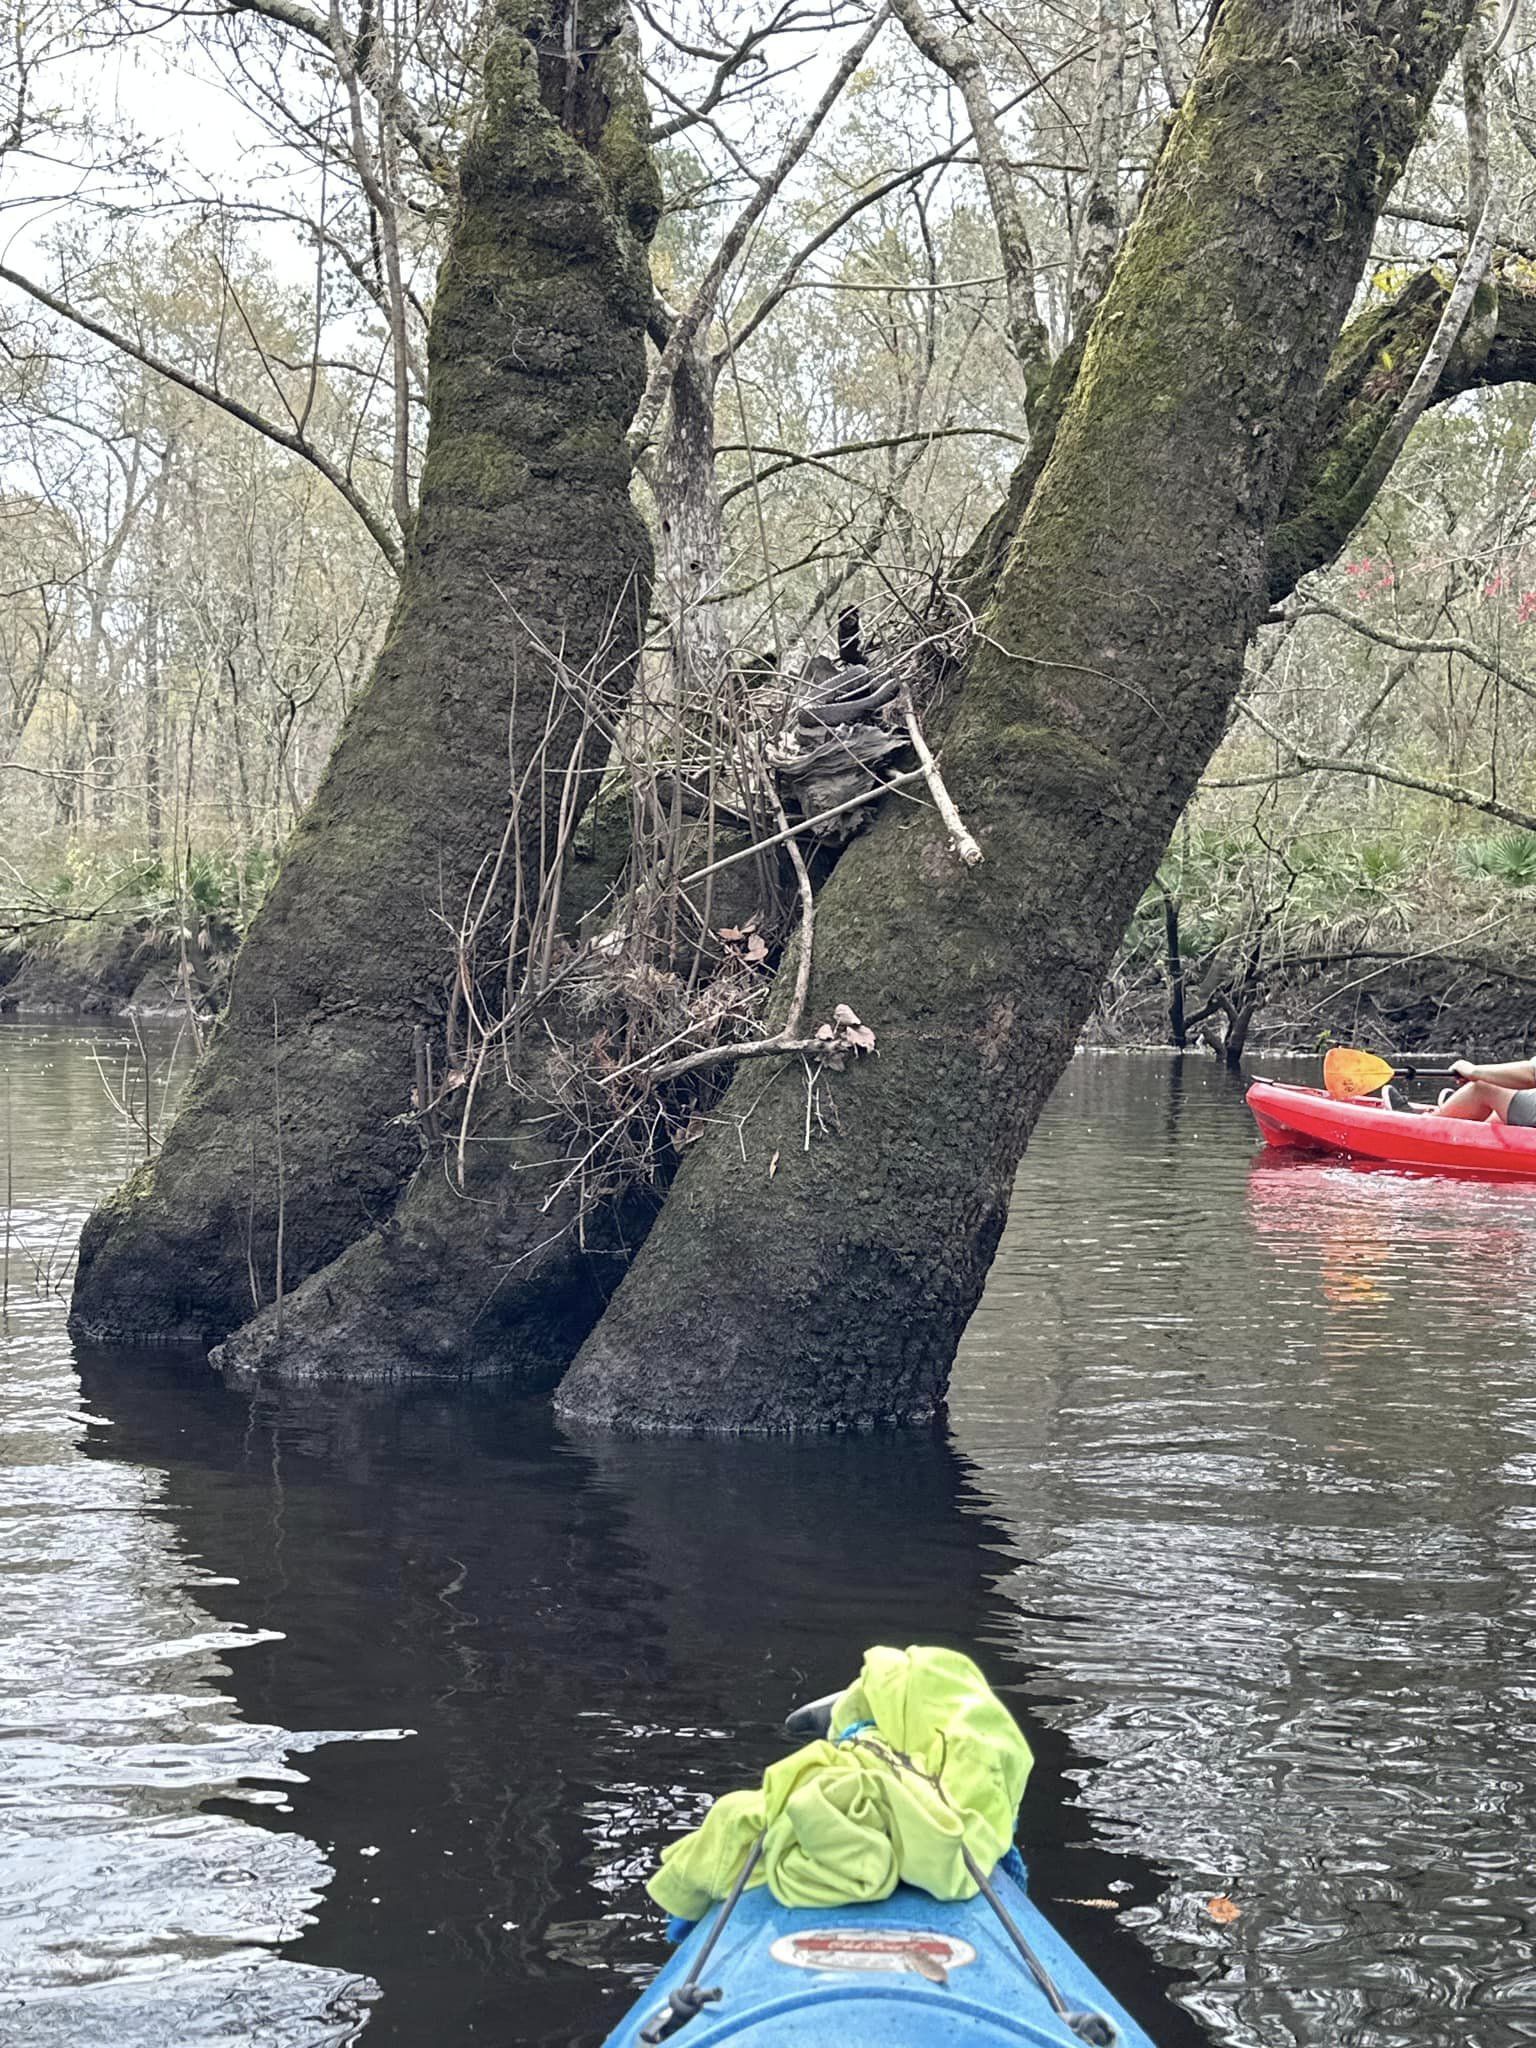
1389 998
134 973
116 935
1403 1001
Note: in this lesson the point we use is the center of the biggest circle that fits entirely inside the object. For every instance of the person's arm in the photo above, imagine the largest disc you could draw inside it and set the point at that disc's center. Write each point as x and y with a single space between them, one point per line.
1513 1074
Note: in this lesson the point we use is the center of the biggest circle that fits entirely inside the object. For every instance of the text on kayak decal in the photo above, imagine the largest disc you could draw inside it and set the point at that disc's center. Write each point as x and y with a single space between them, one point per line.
833 1948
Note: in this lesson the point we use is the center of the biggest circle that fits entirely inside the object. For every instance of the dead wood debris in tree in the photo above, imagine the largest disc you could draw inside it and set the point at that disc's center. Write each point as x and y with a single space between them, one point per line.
612 1033
835 737
844 721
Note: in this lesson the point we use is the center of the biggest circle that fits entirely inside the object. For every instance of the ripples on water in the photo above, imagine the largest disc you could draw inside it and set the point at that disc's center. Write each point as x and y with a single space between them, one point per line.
1239 1507
130 1911
1266 1437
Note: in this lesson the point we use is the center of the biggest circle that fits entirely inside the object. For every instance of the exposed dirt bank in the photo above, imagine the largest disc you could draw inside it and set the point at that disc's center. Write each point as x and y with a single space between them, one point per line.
132 971
1468 1006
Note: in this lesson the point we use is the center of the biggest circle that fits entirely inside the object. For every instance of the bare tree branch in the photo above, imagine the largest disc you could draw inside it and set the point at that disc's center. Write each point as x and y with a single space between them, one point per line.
893 182
1312 764
1098 239
1407 645
1503 78
689 321
1172 58
1474 102
1453 319
1455 224
413 125
1026 330
727 64
376 186
296 444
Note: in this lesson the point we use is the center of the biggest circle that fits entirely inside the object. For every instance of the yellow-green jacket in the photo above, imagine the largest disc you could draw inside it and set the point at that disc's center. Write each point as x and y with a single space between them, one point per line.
923 1761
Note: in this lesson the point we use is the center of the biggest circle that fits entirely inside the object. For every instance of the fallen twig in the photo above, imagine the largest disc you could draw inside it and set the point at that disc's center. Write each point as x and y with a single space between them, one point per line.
794 831
959 838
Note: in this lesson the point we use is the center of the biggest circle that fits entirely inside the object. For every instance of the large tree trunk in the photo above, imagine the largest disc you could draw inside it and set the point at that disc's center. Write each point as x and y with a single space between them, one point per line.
507 1276
507 1272
798 1281
525 548
462 1281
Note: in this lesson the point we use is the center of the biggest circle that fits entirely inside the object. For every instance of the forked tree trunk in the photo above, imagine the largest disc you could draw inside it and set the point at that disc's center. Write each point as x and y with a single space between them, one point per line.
815 1264
503 1275
508 1275
525 548
506 1271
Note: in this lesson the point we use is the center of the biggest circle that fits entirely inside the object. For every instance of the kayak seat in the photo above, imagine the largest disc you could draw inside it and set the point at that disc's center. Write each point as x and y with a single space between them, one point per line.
813 1721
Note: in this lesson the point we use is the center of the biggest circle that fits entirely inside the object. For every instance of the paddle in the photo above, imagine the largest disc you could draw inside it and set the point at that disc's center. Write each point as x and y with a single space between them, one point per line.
1349 1073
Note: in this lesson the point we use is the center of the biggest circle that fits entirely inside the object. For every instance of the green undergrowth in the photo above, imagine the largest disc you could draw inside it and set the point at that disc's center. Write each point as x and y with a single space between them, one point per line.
1339 905
77 907
1334 887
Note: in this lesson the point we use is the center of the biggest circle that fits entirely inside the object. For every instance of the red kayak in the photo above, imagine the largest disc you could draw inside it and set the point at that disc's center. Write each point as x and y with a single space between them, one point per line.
1366 1129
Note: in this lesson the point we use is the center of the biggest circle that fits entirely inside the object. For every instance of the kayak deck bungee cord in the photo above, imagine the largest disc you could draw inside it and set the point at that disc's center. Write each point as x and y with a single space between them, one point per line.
868 1894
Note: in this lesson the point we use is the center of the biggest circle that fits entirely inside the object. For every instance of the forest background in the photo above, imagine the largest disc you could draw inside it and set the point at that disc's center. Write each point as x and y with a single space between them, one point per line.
197 566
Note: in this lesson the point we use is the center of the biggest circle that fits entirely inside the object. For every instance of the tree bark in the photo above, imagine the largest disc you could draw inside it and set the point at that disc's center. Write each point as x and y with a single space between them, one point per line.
98 697
1373 367
506 1274
1173 954
153 700
525 543
1098 234
690 571
800 1279
1169 41
1026 330
495 1279
459 1282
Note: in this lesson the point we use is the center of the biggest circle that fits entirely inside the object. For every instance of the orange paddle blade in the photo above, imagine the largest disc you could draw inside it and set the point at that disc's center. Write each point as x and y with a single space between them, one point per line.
1348 1073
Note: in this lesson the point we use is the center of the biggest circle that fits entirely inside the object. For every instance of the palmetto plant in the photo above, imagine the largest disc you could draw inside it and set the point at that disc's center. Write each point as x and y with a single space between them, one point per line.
1508 857
203 900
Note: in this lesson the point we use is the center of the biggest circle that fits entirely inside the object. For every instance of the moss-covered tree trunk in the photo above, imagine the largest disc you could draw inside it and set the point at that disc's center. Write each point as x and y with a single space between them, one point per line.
503 1274
795 1282
503 1271
526 554
509 1273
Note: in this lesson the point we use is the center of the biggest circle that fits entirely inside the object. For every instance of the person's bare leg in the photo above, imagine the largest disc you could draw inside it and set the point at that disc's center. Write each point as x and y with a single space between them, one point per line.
1477 1101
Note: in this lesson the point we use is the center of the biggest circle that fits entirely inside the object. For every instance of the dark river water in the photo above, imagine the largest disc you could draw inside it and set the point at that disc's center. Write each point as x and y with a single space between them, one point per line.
333 1718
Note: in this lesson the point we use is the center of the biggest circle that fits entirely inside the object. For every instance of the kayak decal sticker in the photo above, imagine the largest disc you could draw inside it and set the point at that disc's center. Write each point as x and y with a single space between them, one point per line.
896 1948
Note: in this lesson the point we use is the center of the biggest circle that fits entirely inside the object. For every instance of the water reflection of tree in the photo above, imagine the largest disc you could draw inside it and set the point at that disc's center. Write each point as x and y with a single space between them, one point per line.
589 1640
